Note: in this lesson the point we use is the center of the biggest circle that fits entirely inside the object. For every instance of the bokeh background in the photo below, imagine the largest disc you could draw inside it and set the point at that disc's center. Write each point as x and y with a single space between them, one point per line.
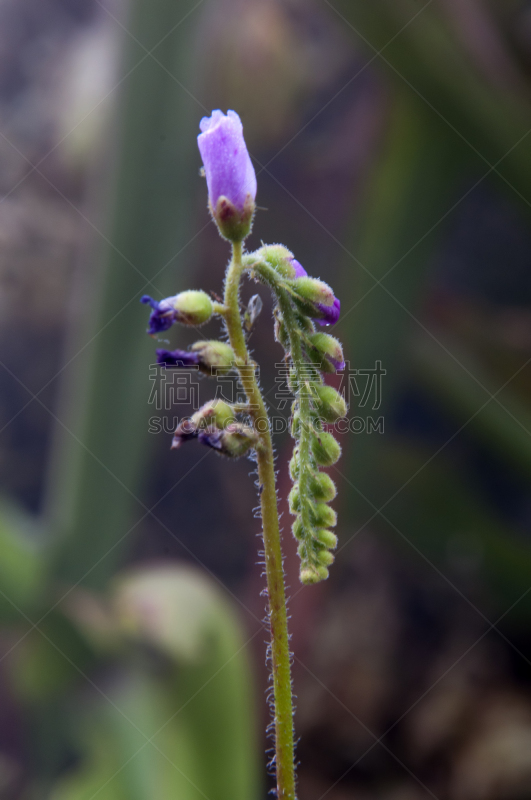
392 146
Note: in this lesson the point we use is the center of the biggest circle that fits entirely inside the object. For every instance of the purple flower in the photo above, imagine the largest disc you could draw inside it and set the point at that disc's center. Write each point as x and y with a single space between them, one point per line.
177 358
163 315
228 167
188 308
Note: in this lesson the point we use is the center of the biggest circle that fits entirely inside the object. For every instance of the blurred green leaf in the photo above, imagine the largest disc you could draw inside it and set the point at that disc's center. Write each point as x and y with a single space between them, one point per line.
186 686
100 461
422 54
469 392
22 563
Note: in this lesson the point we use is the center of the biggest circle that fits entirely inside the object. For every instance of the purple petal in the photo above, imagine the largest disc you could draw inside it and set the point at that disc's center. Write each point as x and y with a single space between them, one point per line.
330 314
228 167
163 315
177 358
337 364
212 438
300 272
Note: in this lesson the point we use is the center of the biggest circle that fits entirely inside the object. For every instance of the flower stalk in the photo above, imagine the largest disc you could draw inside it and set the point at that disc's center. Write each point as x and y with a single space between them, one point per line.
278 618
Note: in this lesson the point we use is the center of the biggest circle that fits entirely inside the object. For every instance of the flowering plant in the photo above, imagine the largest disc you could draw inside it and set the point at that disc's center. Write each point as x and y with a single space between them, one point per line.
237 430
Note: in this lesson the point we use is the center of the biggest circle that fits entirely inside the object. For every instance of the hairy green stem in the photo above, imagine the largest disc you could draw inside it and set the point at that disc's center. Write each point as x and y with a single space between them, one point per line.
304 404
278 620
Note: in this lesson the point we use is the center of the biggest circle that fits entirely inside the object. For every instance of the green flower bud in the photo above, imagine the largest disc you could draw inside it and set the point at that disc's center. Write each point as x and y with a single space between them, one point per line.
311 573
329 347
323 516
314 290
327 538
322 487
216 413
276 256
329 404
294 499
214 356
326 557
193 307
326 450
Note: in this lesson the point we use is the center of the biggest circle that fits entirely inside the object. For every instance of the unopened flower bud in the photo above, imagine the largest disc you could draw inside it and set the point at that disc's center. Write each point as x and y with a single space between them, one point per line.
329 347
311 573
326 450
214 357
229 172
318 299
280 259
215 413
326 557
234 441
323 516
327 538
294 499
322 487
297 528
314 290
330 405
188 308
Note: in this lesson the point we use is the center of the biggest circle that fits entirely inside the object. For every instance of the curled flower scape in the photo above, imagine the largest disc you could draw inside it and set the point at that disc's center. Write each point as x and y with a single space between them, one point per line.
228 167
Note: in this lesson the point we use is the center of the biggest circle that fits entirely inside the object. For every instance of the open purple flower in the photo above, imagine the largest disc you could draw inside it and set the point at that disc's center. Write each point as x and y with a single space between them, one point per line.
328 315
229 172
163 315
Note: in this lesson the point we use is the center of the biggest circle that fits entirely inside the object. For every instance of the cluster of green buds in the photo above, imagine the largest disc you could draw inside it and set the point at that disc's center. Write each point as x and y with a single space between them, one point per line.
301 301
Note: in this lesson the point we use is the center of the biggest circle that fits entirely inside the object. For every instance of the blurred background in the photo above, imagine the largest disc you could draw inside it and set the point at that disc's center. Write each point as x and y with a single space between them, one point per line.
392 146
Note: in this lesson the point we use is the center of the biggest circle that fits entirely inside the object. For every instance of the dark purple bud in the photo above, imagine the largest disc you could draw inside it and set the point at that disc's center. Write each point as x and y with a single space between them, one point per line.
177 358
321 296
330 314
